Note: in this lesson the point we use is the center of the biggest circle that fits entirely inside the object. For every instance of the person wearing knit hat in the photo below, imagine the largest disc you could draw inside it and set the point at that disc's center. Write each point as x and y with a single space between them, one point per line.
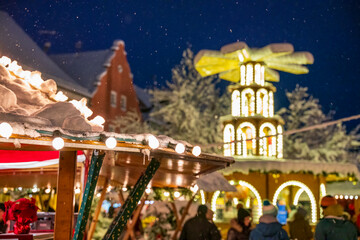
240 227
268 227
333 226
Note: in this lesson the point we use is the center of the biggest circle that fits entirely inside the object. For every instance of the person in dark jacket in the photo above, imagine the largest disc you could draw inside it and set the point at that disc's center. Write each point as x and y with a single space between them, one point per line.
268 227
333 226
300 228
240 227
199 227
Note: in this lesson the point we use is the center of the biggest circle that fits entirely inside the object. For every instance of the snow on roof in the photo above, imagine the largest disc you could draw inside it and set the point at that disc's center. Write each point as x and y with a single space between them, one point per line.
143 96
17 45
287 166
85 67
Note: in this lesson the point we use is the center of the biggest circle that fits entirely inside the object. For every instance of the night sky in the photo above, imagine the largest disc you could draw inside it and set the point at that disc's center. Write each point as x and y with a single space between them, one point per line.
157 31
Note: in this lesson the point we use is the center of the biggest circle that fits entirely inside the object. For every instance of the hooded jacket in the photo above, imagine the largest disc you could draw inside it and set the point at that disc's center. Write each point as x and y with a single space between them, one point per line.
334 227
268 228
300 228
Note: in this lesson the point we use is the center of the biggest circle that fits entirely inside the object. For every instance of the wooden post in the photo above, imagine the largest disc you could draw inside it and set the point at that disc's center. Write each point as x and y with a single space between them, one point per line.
65 196
93 175
118 224
97 211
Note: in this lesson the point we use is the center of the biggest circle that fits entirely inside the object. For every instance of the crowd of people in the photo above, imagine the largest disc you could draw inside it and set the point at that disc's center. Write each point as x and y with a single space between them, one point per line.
335 225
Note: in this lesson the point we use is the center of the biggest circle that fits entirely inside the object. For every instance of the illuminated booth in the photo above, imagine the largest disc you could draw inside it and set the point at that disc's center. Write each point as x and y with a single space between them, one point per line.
253 134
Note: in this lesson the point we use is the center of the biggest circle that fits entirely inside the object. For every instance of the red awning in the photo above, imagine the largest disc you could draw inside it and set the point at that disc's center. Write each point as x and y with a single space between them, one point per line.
12 159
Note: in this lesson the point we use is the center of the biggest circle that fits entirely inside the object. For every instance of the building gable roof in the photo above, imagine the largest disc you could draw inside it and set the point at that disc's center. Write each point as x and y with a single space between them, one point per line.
85 67
17 45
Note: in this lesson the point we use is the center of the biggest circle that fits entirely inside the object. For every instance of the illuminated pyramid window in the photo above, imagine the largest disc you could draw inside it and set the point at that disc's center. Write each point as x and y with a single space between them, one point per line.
251 70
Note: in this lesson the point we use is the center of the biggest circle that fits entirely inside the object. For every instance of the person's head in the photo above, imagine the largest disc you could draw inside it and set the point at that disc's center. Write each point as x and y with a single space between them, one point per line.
2 211
269 209
240 205
327 201
301 212
243 217
202 210
209 214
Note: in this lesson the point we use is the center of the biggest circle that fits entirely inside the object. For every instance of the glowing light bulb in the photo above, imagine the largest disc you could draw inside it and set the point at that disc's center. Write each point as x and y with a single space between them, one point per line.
196 151
194 189
108 189
5 189
232 182
111 142
48 190
148 191
77 190
5 130
124 189
20 188
98 195
58 143
166 194
180 148
177 194
153 142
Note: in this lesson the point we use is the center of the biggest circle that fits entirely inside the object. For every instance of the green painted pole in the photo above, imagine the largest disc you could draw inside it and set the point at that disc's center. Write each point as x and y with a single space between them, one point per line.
118 224
96 162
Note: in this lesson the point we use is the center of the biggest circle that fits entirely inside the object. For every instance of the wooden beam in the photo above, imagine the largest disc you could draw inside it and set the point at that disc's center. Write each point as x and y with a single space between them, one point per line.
118 224
97 211
93 175
65 196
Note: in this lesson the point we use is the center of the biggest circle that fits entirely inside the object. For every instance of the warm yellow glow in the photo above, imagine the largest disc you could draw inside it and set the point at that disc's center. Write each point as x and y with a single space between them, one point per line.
177 194
306 189
262 102
246 131
231 182
242 73
258 213
5 130
279 141
47 190
322 190
271 104
166 194
247 202
262 76
153 142
297 196
202 195
249 74
236 201
213 203
235 103
267 144
229 136
257 73
248 102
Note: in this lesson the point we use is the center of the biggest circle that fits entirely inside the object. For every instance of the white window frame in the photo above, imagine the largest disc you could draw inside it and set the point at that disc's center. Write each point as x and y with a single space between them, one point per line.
123 103
113 99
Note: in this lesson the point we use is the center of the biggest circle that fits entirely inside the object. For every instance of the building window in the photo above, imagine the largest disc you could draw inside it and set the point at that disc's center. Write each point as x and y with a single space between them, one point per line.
111 128
123 103
120 68
113 97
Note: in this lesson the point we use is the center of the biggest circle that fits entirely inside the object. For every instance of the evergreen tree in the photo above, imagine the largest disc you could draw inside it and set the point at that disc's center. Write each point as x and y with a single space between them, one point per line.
189 107
130 123
330 144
